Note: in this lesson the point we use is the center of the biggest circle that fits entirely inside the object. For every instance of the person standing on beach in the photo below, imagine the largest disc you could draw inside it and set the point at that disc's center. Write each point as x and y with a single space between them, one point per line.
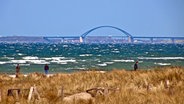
17 70
136 66
46 68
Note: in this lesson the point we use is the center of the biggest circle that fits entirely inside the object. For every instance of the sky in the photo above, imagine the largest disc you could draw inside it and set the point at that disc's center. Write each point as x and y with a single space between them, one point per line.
75 17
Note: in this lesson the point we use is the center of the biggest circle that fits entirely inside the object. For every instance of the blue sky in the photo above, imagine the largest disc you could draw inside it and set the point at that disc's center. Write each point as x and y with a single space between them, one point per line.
74 17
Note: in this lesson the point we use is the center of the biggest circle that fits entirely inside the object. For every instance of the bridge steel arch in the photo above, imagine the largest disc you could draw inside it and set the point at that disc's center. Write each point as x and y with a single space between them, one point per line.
89 31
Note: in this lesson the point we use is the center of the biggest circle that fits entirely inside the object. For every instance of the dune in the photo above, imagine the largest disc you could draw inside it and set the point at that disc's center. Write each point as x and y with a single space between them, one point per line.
153 86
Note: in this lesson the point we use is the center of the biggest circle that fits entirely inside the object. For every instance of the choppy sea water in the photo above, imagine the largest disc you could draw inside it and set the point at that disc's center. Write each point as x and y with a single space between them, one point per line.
74 57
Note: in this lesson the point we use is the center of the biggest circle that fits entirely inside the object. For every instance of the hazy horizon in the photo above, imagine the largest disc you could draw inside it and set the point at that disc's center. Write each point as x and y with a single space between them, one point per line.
73 18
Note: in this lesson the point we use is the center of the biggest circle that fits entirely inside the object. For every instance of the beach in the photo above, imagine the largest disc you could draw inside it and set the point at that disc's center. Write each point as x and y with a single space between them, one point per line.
154 86
91 52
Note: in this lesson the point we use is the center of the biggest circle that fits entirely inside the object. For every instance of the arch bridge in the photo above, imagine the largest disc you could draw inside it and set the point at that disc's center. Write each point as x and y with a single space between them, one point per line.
131 39
83 36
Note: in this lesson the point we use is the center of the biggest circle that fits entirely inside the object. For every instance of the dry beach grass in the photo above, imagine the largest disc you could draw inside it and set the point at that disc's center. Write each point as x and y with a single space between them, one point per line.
157 86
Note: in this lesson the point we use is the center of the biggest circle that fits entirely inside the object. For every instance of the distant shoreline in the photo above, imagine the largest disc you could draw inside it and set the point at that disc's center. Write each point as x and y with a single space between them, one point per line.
95 70
101 39
13 75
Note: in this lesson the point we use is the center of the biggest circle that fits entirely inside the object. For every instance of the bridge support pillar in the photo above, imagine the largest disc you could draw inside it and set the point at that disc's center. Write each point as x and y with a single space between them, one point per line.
151 39
130 39
172 39
62 40
81 40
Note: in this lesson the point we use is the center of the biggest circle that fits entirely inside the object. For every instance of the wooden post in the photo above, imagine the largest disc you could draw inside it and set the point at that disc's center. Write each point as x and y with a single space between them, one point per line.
30 93
36 92
106 91
61 92
10 93
167 84
17 95
146 83
161 85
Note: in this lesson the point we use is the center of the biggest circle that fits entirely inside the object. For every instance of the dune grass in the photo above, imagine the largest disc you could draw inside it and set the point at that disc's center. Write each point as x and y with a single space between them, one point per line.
135 87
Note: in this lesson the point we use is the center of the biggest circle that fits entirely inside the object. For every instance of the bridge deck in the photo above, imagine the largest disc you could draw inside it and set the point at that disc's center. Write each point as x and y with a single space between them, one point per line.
159 37
114 36
130 39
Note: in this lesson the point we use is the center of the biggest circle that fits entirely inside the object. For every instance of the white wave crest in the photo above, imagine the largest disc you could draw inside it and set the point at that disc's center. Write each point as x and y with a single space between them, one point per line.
29 61
20 54
115 51
123 60
104 64
63 61
162 58
163 64
58 62
22 64
54 58
85 55
10 58
18 61
1 62
108 62
30 58
37 61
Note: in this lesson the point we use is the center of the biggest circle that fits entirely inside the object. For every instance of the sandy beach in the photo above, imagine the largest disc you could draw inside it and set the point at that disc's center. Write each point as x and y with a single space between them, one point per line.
25 75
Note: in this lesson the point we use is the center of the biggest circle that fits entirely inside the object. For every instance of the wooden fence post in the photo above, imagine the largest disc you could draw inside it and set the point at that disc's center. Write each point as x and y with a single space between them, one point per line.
36 92
17 95
61 92
30 93
167 84
106 89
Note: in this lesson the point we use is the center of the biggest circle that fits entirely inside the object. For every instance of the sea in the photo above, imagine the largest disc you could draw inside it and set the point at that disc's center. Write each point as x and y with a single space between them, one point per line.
80 57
